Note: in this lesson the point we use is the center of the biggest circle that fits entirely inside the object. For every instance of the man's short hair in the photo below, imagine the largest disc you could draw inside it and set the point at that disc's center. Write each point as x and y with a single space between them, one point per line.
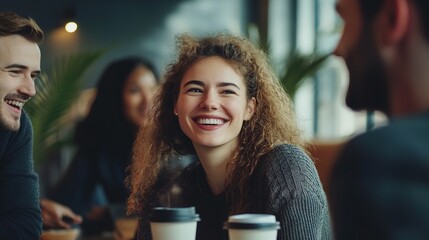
370 9
11 24
423 8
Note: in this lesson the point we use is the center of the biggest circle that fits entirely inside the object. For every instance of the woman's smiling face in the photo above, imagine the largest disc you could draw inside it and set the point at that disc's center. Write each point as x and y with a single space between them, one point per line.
138 92
213 103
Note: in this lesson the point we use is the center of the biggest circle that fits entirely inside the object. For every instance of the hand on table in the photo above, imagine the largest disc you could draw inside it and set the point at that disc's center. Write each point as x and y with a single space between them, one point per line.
53 214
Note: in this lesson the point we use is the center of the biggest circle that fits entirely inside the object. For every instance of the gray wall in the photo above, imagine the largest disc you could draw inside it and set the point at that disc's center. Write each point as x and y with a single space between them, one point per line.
128 27
124 27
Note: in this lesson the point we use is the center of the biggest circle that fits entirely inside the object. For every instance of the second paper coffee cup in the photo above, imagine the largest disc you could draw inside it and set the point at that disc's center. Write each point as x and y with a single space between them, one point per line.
252 227
174 223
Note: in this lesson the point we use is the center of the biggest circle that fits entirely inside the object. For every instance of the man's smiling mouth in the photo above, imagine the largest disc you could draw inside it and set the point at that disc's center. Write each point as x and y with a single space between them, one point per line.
15 103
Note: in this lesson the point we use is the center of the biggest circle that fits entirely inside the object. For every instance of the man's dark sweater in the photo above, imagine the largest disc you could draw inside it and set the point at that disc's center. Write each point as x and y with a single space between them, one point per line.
380 184
285 183
20 216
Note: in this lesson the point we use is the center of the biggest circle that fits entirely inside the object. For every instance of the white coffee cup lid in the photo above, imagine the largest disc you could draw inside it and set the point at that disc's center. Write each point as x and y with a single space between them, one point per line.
252 221
252 218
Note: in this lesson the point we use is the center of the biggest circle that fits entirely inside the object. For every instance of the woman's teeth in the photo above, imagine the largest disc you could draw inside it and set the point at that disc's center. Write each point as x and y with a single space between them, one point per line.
210 121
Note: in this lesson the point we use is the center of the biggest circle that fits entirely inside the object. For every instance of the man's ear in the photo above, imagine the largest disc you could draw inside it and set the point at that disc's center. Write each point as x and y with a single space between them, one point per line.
394 22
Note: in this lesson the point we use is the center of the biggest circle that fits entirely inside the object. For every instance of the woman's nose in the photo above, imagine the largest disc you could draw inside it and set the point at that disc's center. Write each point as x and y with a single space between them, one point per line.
210 101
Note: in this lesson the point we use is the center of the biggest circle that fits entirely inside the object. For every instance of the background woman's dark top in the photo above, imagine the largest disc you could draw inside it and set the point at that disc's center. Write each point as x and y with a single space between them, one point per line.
104 141
93 170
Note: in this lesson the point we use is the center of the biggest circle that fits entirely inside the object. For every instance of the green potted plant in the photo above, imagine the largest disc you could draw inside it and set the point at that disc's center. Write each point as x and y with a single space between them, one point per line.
297 66
56 93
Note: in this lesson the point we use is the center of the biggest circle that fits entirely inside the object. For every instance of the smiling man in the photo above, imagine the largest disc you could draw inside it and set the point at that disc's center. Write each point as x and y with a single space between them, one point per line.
380 185
20 216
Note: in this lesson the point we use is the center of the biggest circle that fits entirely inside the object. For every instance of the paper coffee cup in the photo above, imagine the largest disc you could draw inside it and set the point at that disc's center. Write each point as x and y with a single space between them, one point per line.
174 223
252 227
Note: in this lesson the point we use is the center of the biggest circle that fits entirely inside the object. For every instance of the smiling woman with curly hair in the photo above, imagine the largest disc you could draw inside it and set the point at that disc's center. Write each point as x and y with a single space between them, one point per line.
221 101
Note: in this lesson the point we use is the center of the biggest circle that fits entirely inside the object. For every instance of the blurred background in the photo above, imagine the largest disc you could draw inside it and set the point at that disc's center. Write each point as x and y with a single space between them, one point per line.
148 28
298 35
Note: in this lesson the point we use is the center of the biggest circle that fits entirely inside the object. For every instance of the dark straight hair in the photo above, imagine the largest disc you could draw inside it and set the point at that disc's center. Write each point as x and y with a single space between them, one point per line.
106 124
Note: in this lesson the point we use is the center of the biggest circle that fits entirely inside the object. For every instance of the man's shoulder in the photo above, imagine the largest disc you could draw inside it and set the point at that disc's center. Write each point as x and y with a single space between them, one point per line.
15 141
25 120
25 123
402 141
405 130
397 151
25 129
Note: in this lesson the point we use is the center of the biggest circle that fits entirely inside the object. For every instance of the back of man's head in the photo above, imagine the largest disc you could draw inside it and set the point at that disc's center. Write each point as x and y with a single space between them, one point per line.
11 24
423 7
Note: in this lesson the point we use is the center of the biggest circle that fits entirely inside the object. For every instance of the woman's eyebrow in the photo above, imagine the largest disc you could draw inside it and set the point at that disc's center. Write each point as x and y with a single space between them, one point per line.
196 82
221 84
226 84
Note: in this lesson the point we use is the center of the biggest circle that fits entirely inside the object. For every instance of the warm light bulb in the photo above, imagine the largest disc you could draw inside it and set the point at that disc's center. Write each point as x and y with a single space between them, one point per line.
71 27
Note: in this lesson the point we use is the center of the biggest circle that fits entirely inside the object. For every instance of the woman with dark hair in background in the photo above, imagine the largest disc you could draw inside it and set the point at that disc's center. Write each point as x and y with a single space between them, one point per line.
104 141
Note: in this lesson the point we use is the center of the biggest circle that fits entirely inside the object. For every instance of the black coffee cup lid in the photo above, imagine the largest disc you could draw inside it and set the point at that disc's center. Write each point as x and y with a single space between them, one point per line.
163 214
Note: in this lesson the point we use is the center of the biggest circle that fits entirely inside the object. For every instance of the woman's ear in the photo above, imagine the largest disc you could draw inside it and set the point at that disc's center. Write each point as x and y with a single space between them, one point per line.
175 110
250 109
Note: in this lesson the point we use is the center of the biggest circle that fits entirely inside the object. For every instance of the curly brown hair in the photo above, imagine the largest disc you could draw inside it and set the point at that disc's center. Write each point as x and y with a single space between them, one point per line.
273 122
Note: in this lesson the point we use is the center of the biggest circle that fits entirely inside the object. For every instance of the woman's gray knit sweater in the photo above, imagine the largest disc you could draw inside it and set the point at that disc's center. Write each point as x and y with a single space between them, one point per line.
285 183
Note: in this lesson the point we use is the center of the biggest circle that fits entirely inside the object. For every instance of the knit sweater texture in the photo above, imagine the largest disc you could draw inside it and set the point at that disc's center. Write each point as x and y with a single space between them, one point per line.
285 183
20 216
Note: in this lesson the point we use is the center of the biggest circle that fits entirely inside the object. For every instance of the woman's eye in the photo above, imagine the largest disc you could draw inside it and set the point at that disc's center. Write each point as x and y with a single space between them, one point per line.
194 90
228 92
133 90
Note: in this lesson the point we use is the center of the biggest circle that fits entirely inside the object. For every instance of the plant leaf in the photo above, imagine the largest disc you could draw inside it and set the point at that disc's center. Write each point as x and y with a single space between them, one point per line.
298 68
55 95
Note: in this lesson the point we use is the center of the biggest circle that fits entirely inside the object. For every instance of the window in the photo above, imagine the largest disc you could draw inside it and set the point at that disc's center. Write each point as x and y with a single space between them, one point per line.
314 26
